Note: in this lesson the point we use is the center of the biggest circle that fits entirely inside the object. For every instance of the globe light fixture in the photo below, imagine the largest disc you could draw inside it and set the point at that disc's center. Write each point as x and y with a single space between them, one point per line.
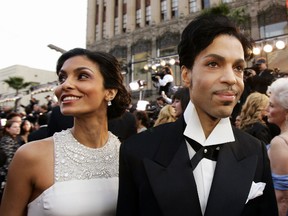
256 50
172 61
163 63
280 44
268 48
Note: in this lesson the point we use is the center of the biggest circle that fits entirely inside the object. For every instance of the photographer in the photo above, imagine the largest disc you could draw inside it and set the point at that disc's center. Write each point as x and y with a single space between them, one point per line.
166 81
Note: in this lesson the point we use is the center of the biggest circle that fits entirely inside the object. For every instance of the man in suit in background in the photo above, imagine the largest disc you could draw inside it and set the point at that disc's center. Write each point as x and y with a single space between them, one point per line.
263 77
58 122
42 131
200 164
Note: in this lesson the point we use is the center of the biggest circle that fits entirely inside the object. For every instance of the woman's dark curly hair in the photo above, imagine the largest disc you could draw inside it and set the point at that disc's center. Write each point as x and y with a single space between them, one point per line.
110 69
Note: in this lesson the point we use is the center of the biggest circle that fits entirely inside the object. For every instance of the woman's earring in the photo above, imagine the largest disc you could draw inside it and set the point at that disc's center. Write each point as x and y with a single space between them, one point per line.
109 103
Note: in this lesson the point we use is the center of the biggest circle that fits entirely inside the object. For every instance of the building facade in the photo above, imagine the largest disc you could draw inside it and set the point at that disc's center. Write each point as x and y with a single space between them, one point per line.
46 81
143 34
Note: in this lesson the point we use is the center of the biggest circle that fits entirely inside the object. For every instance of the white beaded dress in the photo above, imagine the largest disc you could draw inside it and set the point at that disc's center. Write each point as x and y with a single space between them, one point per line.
86 179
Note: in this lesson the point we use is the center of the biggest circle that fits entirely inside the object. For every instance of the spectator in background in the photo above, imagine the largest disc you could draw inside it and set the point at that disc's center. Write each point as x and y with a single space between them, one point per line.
167 114
8 144
248 72
263 77
124 126
14 116
142 120
155 108
237 122
166 81
180 100
43 109
278 148
25 129
58 122
42 129
49 102
252 117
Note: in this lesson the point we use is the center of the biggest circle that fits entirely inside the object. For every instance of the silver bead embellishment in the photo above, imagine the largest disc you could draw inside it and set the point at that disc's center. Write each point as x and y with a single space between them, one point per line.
78 162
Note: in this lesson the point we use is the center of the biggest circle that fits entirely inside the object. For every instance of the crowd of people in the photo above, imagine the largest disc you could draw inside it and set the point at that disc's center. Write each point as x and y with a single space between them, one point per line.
218 145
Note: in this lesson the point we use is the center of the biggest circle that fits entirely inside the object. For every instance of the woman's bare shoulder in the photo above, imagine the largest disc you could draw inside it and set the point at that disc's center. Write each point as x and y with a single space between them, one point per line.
35 150
279 141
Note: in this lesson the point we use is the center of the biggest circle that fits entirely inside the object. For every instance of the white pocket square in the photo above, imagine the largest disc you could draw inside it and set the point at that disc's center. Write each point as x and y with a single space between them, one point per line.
256 190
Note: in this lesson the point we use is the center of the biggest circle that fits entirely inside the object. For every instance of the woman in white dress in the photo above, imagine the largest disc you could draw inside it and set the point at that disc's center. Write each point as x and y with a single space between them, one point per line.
75 172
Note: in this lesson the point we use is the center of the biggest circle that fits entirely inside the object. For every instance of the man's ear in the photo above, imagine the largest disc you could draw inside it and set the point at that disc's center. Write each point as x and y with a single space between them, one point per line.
186 76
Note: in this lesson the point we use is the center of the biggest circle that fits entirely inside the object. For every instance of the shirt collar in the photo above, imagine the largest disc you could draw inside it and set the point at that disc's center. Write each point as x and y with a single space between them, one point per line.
222 133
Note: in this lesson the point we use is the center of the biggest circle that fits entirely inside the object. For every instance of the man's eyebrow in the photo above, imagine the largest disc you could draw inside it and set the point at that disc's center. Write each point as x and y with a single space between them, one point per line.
212 55
221 58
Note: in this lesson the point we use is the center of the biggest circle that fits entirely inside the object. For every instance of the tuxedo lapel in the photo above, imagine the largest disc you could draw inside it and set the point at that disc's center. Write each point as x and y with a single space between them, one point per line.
233 177
171 178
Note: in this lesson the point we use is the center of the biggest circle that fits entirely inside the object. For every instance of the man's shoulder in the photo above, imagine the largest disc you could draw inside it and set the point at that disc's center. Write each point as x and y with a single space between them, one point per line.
153 136
244 137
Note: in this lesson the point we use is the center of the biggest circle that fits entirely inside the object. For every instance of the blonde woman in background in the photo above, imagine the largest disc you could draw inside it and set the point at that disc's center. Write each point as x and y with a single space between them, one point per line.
278 148
252 114
166 114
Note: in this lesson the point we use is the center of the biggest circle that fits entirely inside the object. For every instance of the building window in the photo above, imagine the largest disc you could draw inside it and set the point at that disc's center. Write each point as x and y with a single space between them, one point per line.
174 8
205 4
227 1
124 17
192 6
148 15
97 14
104 30
116 26
124 23
138 18
104 11
163 10
273 21
116 9
97 32
273 30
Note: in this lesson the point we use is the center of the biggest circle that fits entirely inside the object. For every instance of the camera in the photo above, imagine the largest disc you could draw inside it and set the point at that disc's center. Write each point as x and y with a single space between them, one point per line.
153 76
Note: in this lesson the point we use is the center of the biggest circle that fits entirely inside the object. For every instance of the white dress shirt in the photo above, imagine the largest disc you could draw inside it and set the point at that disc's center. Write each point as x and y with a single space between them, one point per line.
166 79
204 171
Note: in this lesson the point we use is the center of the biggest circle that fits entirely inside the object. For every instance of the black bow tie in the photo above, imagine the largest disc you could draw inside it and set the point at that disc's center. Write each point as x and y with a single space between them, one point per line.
209 152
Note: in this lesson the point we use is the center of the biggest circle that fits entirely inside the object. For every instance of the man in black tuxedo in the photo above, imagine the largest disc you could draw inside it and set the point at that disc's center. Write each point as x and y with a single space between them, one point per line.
200 164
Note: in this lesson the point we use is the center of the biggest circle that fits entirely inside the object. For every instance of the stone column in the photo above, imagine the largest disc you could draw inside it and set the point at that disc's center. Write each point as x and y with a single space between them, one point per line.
91 22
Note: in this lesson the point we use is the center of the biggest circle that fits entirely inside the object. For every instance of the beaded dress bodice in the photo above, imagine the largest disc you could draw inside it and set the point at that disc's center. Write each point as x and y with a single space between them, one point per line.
86 179
76 161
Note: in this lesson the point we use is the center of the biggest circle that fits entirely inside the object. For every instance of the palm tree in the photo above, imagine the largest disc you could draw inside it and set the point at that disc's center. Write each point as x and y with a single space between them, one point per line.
237 14
18 83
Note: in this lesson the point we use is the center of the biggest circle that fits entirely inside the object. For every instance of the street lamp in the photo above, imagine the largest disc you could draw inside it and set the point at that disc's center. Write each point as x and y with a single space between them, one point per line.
58 49
139 85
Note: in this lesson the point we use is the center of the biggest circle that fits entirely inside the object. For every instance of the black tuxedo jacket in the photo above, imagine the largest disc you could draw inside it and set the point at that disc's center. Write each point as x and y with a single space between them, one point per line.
41 133
156 177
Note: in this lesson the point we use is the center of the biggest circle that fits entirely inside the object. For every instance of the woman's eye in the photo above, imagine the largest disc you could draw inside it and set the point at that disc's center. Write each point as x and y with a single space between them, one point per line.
61 79
83 76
